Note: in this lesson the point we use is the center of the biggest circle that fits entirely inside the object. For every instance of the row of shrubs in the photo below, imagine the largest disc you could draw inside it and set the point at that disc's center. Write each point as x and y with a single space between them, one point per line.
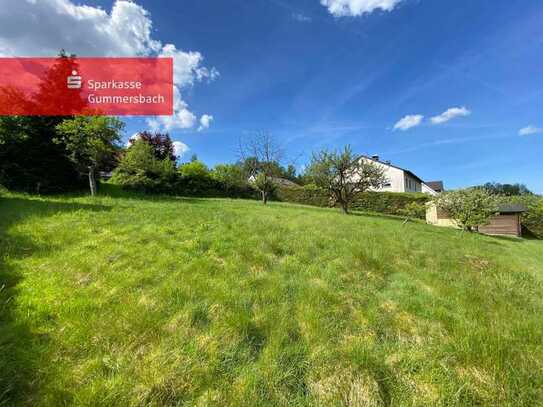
381 202
141 170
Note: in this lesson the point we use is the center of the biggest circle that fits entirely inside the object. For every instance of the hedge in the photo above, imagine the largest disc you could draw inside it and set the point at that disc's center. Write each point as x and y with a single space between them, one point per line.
532 220
306 195
390 203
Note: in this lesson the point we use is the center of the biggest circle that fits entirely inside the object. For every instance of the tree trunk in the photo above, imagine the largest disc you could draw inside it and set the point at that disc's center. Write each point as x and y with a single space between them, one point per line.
264 197
345 208
92 181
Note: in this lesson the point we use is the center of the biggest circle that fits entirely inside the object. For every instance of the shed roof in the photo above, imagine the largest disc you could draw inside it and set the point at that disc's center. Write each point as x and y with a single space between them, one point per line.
512 208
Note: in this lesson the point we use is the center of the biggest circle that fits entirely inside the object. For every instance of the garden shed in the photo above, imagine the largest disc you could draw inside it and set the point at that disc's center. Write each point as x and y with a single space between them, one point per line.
507 222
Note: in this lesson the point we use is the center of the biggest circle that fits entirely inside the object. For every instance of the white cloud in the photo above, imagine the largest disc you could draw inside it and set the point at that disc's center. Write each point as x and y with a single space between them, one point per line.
529 130
180 148
43 27
408 122
182 118
205 122
33 28
186 66
450 114
355 8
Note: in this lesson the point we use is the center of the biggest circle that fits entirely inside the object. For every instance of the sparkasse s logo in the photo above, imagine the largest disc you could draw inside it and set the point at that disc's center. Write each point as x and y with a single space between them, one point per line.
74 81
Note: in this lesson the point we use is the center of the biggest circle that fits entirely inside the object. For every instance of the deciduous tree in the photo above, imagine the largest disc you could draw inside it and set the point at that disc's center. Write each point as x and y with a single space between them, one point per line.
344 175
160 142
90 141
470 208
261 156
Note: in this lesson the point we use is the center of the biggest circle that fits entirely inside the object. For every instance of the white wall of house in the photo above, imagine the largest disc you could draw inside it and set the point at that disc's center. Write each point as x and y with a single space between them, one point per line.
398 180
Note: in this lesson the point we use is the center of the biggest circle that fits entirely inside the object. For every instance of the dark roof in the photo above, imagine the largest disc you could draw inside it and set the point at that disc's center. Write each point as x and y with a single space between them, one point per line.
393 166
511 208
435 185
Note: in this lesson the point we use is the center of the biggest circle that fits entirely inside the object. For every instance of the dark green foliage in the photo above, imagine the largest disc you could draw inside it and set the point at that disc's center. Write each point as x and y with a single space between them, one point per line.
381 202
390 203
29 159
506 189
532 220
307 195
413 210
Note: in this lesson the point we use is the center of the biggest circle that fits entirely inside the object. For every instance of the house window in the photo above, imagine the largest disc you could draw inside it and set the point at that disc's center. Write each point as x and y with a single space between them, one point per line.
387 185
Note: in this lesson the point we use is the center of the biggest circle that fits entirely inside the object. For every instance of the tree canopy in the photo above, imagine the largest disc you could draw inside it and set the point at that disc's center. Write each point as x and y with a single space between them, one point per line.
506 189
344 175
90 142
160 142
470 208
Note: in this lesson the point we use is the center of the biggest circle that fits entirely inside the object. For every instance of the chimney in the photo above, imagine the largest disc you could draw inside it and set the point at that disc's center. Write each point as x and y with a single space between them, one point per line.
375 157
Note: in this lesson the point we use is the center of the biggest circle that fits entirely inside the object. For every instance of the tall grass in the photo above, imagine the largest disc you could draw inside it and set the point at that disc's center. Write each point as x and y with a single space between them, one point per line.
164 301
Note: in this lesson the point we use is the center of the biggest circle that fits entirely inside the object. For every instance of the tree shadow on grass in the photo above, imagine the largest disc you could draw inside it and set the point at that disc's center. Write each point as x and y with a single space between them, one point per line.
115 191
21 347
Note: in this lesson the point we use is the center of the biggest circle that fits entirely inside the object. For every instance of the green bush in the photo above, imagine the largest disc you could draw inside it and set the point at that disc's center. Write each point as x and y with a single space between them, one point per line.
139 170
231 176
413 210
306 195
389 203
532 220
194 178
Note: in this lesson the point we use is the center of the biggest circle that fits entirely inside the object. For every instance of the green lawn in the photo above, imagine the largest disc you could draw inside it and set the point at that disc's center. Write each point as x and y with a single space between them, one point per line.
140 301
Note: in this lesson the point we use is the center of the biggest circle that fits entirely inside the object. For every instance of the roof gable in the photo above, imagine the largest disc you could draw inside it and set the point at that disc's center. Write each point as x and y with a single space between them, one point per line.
392 166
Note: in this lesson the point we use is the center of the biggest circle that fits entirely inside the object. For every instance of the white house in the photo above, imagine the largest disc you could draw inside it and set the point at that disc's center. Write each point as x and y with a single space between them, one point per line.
402 180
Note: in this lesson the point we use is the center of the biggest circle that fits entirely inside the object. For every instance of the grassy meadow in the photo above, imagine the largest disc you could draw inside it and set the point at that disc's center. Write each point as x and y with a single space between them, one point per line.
141 301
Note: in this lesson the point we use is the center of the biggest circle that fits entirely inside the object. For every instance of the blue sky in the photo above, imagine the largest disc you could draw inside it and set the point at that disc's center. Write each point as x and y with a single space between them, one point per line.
314 79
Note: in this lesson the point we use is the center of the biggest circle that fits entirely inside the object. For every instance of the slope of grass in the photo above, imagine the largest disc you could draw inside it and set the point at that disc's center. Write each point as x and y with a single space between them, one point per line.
134 301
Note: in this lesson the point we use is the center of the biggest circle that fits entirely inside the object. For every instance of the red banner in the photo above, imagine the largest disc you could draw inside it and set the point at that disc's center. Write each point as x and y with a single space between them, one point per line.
67 86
